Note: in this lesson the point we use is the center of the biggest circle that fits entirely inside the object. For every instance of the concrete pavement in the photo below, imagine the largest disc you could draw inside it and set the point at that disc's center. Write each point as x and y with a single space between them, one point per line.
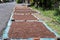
5 13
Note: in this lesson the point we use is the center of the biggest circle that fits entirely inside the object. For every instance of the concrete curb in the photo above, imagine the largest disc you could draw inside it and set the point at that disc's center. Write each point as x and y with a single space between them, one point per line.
5 33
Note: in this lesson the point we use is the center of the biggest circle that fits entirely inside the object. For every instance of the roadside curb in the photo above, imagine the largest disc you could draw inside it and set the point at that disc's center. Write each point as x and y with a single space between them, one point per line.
5 32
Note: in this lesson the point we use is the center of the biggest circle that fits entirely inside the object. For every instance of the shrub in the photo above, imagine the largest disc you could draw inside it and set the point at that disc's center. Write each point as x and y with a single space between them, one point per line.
58 19
18 1
57 12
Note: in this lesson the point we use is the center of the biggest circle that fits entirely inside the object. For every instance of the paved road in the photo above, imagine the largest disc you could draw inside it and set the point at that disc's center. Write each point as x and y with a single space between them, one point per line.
5 13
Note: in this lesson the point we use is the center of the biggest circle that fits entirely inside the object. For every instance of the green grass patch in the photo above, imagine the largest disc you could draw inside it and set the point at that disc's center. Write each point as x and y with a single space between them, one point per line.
54 23
48 13
55 27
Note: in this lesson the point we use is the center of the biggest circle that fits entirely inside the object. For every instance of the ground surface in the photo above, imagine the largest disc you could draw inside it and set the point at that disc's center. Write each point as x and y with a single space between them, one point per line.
24 17
5 12
26 29
29 30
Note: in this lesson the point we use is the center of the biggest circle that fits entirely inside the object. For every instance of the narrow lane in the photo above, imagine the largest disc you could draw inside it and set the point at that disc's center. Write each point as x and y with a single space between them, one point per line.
5 13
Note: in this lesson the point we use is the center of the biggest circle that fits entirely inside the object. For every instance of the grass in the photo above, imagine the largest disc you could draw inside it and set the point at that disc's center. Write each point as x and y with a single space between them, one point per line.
50 13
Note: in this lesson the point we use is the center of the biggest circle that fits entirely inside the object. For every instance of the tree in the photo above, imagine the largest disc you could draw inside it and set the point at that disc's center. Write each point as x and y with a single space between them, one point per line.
43 3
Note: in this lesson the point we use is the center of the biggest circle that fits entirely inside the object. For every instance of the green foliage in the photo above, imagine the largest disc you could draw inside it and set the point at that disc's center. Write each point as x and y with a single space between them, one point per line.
18 1
54 22
31 1
46 4
58 19
57 12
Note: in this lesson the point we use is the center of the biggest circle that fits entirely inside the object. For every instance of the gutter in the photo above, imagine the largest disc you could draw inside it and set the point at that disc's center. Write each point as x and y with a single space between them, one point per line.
5 32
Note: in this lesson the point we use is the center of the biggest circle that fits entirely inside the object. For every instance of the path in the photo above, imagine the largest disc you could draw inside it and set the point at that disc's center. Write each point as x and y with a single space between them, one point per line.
5 13
27 29
25 25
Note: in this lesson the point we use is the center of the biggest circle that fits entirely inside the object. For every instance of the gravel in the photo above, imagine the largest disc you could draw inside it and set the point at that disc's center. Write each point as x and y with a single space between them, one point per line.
29 30
5 13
